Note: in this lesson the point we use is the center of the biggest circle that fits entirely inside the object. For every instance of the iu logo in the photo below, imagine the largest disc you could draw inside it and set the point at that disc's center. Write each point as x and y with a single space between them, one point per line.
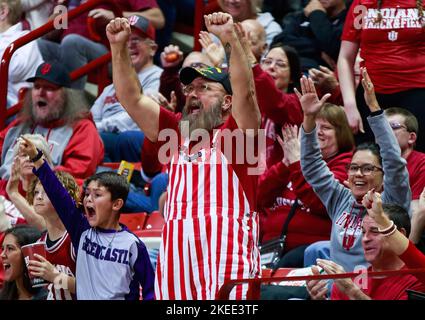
133 20
46 68
392 35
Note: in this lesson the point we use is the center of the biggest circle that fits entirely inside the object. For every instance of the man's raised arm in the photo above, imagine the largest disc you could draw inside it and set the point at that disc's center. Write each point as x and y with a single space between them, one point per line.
245 109
143 110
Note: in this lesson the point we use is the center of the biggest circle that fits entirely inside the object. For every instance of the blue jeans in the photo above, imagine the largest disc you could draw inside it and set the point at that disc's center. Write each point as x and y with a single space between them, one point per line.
319 249
73 52
153 256
138 201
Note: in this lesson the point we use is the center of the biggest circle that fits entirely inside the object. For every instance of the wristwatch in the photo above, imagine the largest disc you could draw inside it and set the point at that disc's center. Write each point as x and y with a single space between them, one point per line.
38 156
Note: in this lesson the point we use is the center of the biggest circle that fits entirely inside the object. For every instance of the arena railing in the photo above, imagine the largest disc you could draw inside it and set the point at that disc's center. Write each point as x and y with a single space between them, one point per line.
37 33
254 285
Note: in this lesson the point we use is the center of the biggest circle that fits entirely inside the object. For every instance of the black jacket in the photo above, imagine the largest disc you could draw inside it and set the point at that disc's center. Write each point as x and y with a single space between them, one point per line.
313 35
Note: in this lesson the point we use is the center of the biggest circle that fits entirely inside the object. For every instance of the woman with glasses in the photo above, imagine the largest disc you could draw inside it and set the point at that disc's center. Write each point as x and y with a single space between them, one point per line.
275 80
383 171
284 184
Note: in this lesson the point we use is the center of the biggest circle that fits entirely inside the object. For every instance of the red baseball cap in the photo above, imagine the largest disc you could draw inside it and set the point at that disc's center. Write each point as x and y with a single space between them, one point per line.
52 72
143 26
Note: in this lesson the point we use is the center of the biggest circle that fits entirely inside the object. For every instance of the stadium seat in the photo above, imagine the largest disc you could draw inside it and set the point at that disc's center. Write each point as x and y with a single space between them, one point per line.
134 221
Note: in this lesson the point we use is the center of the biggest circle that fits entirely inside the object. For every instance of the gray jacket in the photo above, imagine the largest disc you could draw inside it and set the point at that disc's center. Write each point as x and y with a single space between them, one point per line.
108 113
346 214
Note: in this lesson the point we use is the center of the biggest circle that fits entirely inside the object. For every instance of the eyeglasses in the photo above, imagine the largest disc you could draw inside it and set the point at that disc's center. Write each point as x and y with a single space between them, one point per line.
202 88
136 40
365 169
198 65
396 126
278 63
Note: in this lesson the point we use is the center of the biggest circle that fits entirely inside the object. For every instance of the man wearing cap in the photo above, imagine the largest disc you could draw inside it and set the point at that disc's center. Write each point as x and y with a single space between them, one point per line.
58 114
120 134
80 44
211 229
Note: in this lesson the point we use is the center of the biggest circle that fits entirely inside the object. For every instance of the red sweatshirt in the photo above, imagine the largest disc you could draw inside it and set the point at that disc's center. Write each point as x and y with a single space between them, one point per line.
277 190
416 168
414 259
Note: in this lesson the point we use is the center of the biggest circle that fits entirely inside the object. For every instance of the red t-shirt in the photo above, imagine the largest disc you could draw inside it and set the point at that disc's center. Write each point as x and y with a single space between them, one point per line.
388 288
394 50
416 169
169 120
79 24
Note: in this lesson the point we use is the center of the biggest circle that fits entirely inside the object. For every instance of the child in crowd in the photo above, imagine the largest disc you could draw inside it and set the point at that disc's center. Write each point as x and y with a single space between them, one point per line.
112 262
59 265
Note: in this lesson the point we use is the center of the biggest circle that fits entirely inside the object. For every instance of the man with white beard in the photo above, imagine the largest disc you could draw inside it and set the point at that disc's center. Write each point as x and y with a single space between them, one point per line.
211 229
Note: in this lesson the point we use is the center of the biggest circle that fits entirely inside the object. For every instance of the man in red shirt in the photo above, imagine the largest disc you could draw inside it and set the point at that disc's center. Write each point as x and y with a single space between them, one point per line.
381 258
211 230
405 127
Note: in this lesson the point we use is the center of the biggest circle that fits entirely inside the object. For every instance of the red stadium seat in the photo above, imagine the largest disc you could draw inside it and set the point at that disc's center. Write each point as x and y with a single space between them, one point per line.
153 226
134 221
194 27
155 221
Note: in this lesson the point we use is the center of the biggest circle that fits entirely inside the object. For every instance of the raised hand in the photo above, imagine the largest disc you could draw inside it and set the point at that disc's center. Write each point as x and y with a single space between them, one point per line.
214 51
323 78
15 175
369 91
172 56
26 147
97 13
310 103
220 24
373 203
118 31
290 144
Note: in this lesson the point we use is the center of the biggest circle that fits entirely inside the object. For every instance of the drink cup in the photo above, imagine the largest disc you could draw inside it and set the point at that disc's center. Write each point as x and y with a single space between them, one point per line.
28 251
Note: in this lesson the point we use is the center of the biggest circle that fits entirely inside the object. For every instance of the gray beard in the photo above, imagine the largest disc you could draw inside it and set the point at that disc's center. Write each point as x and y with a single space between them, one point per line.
205 119
54 115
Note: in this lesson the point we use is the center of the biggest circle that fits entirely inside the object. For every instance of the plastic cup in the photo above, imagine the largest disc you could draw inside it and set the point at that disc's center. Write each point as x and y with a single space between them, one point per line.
28 251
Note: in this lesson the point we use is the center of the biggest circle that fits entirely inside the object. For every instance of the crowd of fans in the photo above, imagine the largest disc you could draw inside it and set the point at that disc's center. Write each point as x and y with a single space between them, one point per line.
333 87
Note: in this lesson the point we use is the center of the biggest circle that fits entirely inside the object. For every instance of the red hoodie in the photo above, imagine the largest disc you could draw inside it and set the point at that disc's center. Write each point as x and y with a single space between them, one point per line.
279 186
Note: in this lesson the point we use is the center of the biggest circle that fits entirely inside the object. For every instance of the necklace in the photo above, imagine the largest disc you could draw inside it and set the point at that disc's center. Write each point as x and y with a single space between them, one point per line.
115 233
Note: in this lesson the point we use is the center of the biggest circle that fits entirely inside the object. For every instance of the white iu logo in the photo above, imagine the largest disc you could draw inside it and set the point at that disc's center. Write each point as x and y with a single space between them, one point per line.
392 35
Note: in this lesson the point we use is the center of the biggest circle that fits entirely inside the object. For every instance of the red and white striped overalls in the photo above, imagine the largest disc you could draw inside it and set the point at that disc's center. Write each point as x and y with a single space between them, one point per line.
211 233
